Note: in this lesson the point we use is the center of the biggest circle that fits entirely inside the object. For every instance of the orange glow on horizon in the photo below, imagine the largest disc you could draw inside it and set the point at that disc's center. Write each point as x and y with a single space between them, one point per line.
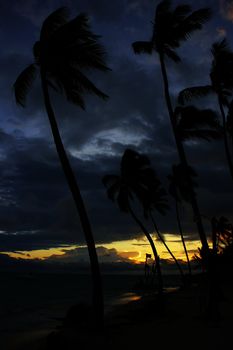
41 254
133 250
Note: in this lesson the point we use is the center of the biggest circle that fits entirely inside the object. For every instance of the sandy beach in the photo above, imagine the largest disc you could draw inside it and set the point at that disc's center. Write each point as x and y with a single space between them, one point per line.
139 324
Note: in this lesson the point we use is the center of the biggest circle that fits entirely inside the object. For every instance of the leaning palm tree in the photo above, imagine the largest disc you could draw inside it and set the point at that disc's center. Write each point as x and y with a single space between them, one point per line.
170 28
131 184
191 123
179 190
221 84
66 49
229 124
156 201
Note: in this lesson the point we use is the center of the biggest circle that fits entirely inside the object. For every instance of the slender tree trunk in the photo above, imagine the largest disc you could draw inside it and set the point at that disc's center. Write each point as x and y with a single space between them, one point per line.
183 159
227 150
182 237
156 256
166 246
97 297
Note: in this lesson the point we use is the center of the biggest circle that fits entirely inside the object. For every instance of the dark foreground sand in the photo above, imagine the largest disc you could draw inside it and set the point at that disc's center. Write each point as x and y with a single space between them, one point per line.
140 324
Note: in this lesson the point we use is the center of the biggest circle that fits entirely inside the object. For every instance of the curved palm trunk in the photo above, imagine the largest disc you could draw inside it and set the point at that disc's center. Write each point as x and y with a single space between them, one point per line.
182 237
156 256
166 246
227 149
98 303
183 159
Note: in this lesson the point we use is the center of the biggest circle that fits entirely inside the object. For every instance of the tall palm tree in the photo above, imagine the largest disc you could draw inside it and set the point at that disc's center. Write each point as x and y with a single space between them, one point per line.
131 184
66 49
191 123
221 84
170 28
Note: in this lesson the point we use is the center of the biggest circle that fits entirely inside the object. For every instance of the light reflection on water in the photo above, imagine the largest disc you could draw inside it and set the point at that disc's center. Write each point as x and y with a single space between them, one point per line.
127 297
124 299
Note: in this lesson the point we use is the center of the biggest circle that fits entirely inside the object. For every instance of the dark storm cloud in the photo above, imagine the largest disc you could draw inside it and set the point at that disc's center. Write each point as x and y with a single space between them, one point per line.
36 206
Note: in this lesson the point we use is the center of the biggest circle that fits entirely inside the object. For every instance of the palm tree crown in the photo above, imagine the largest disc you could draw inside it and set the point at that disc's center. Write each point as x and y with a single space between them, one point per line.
136 180
195 123
66 50
171 27
221 76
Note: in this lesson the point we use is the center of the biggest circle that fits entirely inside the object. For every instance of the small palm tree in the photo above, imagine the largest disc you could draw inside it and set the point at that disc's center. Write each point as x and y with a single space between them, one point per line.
170 28
131 184
65 50
179 190
222 234
221 77
156 200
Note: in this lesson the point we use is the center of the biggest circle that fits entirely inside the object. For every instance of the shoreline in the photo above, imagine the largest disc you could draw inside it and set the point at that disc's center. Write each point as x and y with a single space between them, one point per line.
138 324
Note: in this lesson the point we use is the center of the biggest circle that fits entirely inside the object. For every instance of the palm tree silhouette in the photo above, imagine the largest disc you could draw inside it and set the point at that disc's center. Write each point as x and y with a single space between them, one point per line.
131 184
179 190
194 123
222 236
191 123
170 28
229 124
221 76
64 51
156 200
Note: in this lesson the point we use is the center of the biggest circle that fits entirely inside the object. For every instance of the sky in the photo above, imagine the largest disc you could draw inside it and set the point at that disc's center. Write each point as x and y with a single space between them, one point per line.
37 215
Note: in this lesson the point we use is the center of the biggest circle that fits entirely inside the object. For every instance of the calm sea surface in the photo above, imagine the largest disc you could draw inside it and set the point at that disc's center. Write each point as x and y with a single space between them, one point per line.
32 301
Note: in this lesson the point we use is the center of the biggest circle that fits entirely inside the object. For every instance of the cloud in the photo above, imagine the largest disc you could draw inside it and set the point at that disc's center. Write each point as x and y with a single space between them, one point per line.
36 208
222 32
226 8
105 255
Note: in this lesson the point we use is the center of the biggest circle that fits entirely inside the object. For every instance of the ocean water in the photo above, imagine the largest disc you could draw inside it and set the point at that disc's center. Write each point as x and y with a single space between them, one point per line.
38 300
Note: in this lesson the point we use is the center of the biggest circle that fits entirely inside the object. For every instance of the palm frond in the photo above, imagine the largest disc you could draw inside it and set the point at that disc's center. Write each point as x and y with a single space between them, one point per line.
112 183
192 23
109 180
76 44
72 94
23 84
172 54
180 12
188 94
54 21
82 82
140 47
75 84
76 30
197 123
88 55
221 72
179 188
203 134
220 47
